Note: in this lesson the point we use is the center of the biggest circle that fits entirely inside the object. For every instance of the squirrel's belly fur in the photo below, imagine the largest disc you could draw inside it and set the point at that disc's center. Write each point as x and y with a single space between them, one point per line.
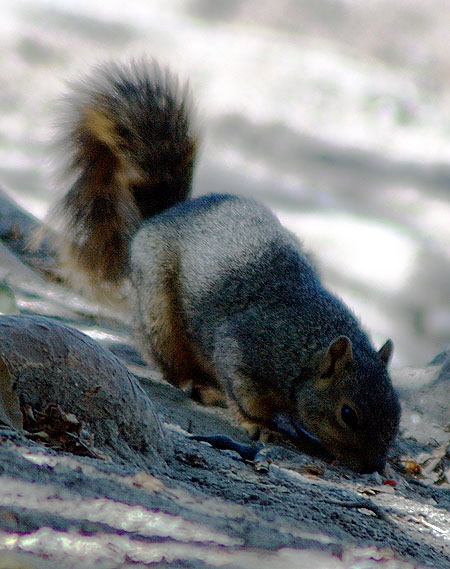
224 298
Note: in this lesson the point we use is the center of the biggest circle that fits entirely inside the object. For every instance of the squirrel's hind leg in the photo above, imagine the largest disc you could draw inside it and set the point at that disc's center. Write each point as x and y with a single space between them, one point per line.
161 336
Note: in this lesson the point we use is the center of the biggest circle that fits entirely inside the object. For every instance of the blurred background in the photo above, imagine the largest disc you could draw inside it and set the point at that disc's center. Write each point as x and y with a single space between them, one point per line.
335 113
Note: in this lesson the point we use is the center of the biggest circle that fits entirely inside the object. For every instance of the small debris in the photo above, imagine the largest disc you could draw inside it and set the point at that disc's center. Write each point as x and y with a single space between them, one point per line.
433 467
261 466
146 481
92 392
192 459
309 469
59 430
412 467
375 490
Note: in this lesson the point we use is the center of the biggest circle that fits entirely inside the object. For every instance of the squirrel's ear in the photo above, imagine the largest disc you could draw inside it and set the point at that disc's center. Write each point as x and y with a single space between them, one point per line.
385 352
339 353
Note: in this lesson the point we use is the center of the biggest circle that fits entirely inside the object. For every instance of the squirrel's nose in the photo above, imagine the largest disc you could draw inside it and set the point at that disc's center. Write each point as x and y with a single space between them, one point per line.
381 465
374 466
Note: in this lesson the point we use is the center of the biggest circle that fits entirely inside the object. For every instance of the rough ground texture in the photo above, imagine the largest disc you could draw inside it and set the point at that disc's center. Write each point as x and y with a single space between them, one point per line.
151 496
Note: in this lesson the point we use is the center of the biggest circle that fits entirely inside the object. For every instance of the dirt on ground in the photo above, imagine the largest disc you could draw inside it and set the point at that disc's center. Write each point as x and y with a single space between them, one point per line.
71 497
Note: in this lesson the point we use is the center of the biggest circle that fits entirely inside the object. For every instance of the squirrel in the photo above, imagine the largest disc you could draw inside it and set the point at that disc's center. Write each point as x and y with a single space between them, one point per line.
224 298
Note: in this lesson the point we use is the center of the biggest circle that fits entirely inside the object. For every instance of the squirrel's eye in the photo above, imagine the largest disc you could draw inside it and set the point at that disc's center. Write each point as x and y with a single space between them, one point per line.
349 417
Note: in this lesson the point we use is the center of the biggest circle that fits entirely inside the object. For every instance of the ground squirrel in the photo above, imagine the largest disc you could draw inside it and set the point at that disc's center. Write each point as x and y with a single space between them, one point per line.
225 299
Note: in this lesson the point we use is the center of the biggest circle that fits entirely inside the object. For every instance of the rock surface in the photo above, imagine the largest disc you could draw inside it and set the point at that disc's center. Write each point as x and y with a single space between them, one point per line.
67 382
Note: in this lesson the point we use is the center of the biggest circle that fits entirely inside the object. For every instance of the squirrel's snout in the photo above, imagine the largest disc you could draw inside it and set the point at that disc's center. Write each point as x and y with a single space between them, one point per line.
377 465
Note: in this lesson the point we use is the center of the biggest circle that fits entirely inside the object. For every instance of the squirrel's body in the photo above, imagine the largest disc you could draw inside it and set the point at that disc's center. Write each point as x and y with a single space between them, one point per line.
225 299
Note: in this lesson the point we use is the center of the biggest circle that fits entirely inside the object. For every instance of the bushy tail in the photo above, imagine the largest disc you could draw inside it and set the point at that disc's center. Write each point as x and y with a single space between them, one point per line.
130 152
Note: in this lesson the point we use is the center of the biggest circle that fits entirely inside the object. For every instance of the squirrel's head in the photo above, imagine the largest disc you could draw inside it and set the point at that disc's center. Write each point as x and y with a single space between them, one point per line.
349 405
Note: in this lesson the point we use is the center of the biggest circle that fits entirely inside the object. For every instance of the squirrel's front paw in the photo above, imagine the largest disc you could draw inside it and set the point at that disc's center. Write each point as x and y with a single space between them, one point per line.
208 395
268 436
259 433
253 429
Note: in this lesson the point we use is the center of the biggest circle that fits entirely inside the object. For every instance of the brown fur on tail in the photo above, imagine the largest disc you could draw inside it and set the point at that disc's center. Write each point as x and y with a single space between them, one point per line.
130 152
